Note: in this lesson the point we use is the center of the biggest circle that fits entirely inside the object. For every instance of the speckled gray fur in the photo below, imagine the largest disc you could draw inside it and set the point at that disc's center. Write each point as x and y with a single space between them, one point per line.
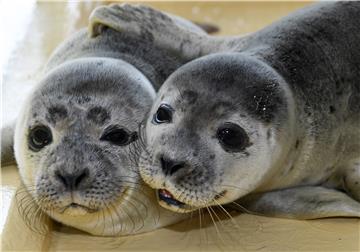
294 86
89 85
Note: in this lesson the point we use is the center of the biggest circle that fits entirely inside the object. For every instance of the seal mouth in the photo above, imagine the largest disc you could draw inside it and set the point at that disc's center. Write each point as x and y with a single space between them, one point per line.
168 201
78 207
166 196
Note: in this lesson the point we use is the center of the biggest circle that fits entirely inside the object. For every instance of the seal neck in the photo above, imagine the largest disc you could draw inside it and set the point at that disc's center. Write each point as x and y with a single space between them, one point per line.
155 62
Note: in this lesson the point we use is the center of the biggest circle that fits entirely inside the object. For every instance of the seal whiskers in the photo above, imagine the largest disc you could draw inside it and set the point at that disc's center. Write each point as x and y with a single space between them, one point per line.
268 121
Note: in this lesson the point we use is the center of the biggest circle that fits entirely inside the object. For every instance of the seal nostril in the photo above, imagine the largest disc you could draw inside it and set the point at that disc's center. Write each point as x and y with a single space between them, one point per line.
72 181
176 167
81 177
62 179
169 167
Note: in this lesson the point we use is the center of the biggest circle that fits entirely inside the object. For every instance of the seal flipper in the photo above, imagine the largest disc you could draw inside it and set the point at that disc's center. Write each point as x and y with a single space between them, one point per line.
7 144
351 179
307 202
115 16
166 30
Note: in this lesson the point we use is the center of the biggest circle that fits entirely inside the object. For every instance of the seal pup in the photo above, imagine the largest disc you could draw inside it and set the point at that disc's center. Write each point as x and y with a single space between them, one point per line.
270 120
75 138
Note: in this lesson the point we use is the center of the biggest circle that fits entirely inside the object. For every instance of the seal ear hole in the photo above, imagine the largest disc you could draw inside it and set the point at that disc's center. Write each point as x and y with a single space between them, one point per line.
232 137
163 114
39 137
118 136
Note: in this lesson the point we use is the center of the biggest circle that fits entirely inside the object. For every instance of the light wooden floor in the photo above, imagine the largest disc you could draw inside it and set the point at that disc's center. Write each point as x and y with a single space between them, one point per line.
30 41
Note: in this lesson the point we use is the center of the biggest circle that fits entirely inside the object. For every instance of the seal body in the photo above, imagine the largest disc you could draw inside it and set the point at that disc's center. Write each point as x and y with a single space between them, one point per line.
76 139
270 120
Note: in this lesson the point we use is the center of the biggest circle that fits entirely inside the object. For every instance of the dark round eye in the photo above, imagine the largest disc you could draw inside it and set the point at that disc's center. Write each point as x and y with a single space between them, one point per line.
118 136
232 137
39 137
163 114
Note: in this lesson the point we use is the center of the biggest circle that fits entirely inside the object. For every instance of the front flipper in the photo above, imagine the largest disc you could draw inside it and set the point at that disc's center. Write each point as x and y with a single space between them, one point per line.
165 30
307 202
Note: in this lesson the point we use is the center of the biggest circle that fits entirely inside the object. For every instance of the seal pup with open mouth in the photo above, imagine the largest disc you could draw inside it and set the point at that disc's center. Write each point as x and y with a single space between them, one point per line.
270 120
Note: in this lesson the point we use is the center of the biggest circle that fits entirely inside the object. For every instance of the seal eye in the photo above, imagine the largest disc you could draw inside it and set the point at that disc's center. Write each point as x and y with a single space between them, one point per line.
163 114
118 136
39 137
232 137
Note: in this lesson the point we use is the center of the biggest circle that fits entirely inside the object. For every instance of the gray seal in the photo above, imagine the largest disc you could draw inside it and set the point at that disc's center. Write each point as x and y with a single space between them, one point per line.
270 120
76 138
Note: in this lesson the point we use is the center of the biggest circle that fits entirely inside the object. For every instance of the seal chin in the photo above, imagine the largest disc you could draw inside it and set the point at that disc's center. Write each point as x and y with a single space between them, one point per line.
168 201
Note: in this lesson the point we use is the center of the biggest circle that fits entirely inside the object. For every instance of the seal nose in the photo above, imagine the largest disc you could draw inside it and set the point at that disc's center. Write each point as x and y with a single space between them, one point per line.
73 180
169 166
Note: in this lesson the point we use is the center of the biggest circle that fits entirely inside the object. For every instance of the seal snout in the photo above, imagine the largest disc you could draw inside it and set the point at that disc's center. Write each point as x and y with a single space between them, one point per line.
72 181
169 166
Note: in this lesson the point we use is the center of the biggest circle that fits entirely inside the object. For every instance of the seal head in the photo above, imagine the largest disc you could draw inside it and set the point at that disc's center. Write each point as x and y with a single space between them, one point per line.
74 140
205 149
